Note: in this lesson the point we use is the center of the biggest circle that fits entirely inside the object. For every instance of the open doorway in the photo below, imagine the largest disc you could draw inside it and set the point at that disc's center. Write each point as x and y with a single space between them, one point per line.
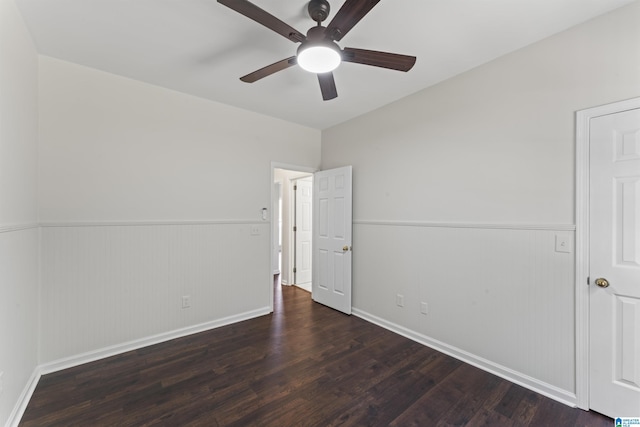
331 220
292 223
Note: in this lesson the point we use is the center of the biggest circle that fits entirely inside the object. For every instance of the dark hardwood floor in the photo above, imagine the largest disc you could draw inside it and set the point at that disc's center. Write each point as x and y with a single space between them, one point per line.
304 365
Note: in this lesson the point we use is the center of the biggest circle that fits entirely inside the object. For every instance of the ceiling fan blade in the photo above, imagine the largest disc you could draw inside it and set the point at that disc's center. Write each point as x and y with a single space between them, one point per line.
269 69
263 17
351 12
393 61
327 86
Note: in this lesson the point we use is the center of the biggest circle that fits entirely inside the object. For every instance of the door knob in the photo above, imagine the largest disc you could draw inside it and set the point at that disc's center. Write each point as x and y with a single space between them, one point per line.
603 283
345 248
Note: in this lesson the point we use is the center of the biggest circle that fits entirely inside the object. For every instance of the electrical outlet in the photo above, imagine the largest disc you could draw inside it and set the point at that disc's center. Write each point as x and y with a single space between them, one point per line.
186 301
424 308
255 230
400 300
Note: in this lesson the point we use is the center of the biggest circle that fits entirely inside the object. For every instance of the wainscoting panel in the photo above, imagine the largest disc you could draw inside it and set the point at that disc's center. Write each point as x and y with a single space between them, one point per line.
105 285
501 294
19 307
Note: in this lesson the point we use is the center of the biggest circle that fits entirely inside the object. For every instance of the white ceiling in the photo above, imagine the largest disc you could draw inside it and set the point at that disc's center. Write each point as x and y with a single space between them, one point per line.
201 47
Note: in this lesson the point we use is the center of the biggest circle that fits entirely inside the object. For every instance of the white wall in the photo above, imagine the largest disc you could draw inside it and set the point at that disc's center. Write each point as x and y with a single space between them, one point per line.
114 149
19 303
459 191
147 195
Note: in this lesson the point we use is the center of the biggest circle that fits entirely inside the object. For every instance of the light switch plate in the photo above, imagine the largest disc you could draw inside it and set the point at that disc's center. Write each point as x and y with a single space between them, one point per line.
564 242
424 308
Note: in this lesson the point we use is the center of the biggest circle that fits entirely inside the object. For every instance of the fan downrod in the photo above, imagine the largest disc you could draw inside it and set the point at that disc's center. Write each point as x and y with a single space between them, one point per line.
318 10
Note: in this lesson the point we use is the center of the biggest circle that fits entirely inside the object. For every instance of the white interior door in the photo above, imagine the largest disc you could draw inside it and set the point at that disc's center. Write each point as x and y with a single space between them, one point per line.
303 232
614 211
332 216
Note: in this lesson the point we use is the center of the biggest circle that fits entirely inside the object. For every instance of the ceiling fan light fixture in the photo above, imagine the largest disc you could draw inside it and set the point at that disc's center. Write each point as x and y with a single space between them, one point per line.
319 52
319 58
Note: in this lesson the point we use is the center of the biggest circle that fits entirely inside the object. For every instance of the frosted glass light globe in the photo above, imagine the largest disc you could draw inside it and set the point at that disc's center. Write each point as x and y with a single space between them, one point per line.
319 59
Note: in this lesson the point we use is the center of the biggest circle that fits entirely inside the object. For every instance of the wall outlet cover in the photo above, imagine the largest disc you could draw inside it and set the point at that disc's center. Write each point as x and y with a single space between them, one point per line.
186 301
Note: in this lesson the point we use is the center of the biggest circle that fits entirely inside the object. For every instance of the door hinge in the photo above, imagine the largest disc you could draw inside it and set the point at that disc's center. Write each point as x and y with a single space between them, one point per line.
295 228
588 280
295 188
295 270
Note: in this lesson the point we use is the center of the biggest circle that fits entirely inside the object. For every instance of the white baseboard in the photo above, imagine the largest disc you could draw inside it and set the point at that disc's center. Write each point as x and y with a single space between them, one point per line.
545 389
526 381
23 400
304 286
91 356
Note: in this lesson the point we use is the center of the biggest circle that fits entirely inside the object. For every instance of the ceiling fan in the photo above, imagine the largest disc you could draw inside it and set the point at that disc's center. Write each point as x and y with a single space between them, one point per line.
318 51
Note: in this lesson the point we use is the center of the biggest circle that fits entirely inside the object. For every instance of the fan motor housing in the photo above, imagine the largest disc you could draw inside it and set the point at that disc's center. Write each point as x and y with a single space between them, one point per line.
318 10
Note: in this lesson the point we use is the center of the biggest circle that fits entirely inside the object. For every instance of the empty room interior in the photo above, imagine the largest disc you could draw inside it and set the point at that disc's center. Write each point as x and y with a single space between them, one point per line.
142 186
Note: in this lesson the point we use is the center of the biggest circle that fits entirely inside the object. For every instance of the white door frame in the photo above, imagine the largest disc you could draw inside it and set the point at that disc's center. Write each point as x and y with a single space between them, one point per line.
275 213
582 241
274 166
291 241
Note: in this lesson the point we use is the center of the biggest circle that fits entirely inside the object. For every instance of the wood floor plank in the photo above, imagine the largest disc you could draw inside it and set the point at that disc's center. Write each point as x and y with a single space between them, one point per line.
303 365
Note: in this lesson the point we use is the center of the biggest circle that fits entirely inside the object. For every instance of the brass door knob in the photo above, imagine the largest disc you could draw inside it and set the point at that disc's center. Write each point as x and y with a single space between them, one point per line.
345 248
603 283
